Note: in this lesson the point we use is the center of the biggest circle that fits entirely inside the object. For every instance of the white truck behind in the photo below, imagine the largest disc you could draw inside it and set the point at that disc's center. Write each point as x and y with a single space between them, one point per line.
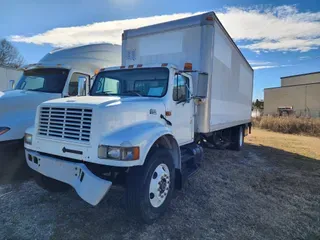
182 85
54 76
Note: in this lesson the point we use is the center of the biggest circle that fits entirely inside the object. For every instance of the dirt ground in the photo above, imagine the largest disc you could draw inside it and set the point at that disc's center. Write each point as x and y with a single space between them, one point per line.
270 190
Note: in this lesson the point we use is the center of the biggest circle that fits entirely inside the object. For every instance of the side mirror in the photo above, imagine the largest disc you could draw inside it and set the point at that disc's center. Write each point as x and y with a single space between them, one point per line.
82 86
202 89
11 84
92 81
202 85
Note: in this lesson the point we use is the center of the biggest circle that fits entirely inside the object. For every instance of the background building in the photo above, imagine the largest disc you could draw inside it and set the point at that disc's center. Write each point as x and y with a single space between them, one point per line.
298 94
7 74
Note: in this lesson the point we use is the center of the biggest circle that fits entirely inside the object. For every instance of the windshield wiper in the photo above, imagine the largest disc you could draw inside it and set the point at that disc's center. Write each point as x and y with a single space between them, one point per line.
135 92
102 93
35 90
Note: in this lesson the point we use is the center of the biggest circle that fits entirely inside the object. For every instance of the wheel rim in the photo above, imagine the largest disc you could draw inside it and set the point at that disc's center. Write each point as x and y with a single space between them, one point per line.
159 185
241 137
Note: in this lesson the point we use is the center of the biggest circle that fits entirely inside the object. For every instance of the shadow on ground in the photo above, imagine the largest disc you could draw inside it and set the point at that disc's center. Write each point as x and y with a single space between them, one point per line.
13 166
259 193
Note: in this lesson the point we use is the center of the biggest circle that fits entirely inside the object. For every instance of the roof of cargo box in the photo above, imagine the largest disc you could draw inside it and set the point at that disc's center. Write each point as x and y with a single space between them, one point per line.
178 24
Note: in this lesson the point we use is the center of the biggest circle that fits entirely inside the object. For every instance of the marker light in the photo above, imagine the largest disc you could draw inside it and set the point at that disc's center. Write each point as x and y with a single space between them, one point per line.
209 18
188 66
96 71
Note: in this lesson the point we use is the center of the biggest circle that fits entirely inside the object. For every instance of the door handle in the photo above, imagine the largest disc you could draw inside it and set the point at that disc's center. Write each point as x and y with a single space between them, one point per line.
166 120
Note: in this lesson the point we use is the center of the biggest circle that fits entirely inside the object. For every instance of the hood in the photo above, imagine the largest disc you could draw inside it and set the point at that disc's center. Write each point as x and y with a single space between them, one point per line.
21 100
102 101
113 113
18 110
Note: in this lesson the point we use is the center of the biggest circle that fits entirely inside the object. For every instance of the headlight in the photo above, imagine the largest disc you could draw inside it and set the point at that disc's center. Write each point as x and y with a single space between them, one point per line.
118 153
114 152
4 130
28 138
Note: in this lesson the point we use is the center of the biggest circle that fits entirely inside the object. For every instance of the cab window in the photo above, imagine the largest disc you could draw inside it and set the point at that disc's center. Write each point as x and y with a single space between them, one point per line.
108 85
33 83
148 82
50 80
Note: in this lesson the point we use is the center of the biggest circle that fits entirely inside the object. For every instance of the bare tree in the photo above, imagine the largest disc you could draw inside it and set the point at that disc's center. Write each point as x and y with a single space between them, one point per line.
9 55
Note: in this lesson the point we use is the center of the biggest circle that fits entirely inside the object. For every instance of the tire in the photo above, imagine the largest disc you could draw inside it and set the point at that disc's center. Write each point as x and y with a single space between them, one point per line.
142 193
50 184
237 138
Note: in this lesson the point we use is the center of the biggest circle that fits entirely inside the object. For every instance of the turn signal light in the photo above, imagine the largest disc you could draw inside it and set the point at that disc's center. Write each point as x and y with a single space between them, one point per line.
139 65
168 113
136 153
164 64
4 130
130 66
121 67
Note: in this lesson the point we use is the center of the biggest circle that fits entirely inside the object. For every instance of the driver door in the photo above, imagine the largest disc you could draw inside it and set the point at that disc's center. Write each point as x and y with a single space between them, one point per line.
182 117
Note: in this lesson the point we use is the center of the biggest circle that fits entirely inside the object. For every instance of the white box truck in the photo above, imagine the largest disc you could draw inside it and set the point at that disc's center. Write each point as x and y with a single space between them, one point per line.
182 85
54 76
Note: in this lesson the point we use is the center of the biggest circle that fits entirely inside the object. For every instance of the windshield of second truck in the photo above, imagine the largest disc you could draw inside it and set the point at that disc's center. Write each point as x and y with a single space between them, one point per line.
144 82
50 80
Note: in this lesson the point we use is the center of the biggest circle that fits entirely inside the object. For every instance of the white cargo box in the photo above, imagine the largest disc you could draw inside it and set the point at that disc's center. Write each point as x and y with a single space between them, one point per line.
202 41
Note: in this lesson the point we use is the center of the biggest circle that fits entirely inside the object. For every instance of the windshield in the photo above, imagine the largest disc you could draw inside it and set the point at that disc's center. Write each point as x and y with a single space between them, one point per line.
49 80
144 82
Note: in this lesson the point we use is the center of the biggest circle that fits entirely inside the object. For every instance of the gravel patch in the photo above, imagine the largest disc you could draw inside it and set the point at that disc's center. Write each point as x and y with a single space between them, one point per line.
259 193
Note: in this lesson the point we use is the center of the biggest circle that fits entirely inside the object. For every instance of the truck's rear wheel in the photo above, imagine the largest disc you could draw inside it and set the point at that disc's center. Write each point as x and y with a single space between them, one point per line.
50 184
237 138
150 187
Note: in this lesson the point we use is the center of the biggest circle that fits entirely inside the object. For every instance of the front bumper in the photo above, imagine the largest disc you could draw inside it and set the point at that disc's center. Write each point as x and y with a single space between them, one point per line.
88 186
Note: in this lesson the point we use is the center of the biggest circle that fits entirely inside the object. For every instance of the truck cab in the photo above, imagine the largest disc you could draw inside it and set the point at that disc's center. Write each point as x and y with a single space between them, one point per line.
168 88
133 114
56 75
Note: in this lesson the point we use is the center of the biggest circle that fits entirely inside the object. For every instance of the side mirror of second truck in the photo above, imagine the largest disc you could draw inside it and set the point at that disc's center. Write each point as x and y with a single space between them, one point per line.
11 84
82 86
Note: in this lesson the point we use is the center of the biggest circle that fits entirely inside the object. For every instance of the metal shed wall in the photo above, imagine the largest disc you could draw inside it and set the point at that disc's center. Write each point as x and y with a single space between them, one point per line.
300 79
7 74
305 99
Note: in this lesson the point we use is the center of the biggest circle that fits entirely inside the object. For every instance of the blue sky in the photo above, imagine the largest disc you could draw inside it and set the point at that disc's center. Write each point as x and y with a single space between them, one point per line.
279 38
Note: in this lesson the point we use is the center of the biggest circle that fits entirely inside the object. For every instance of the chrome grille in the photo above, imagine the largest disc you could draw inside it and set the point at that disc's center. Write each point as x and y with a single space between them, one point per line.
67 123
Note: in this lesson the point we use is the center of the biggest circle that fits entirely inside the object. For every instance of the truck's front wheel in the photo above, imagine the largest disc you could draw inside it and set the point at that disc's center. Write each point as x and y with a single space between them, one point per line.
50 184
150 187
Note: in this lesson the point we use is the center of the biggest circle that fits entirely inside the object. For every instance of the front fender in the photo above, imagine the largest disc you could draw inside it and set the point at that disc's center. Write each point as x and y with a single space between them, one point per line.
18 122
143 135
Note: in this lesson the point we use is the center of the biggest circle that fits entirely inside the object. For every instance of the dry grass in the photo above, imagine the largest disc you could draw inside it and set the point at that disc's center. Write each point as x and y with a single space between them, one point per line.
291 125
263 192
306 146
